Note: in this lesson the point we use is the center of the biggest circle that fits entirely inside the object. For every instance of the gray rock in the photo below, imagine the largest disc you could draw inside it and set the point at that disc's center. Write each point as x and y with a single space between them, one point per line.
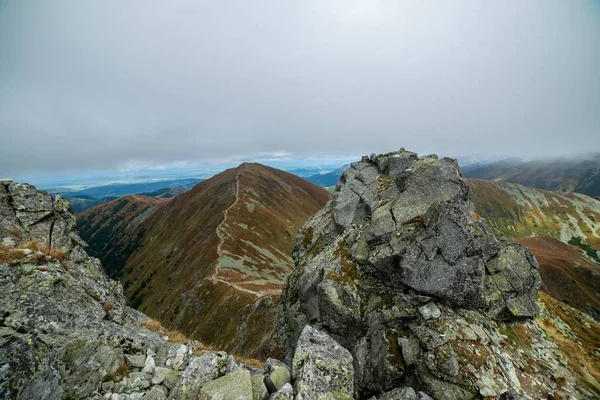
137 360
259 389
399 394
234 386
277 374
399 258
207 367
321 367
286 392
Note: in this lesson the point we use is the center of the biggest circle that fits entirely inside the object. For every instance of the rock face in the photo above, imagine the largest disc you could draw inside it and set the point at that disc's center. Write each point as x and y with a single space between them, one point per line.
400 271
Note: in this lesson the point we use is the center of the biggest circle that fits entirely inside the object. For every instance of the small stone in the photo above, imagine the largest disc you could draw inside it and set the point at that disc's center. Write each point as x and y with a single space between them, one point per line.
285 393
137 360
400 394
149 365
277 374
430 311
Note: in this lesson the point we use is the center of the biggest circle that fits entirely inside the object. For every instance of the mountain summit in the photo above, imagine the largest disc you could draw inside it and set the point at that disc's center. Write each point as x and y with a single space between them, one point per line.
222 248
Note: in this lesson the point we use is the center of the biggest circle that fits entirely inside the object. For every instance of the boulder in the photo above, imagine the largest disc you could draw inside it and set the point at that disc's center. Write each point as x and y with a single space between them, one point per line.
277 374
234 386
321 368
285 393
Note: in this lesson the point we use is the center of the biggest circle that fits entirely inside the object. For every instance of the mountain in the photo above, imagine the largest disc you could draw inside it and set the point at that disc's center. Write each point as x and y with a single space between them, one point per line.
399 291
81 203
165 193
221 248
562 230
122 189
328 179
112 230
67 333
406 290
563 175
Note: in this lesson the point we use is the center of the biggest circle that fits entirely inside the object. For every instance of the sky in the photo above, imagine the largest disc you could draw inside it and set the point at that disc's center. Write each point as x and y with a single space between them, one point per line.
115 85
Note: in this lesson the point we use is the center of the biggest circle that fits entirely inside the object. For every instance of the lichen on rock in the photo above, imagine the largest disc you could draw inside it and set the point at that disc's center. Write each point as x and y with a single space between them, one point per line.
402 274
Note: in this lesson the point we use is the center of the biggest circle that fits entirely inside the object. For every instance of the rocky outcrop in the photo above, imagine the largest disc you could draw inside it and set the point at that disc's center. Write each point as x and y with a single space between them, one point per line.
65 329
400 272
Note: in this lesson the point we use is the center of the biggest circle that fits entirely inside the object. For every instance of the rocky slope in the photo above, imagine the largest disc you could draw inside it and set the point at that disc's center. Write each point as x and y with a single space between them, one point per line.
222 248
402 274
66 332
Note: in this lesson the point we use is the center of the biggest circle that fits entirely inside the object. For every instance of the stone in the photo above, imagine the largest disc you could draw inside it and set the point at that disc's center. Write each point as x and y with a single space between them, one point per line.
259 389
286 392
204 368
149 365
155 394
234 386
429 311
399 394
137 360
321 367
277 374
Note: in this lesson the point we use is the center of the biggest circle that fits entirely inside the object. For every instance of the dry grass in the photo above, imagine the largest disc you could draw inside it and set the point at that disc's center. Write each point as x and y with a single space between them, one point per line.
201 348
252 362
177 337
16 232
580 358
10 256
54 253
31 245
108 307
154 326
37 259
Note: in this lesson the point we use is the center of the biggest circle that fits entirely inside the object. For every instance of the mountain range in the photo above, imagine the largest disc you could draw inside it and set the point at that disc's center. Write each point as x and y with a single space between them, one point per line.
581 175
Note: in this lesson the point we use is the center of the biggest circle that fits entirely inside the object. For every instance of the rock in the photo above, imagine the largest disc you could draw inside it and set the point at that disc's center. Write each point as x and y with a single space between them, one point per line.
429 311
155 394
149 365
395 260
286 392
259 389
207 367
166 376
399 394
136 361
234 386
277 374
321 367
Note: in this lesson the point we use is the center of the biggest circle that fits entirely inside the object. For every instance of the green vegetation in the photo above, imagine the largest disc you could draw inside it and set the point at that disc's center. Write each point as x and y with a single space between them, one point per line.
591 252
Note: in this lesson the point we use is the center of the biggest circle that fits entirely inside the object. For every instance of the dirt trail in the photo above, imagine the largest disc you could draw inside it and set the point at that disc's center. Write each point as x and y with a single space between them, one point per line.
221 235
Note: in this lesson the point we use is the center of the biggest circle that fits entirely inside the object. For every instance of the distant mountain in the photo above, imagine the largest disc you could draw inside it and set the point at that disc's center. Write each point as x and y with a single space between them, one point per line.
118 189
165 193
222 248
81 203
328 179
563 175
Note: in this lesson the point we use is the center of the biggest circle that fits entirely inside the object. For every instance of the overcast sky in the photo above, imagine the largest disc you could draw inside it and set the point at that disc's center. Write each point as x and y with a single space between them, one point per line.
93 85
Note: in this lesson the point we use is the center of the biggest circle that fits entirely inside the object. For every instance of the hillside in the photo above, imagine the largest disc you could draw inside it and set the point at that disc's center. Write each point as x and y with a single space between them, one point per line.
328 179
563 175
221 248
112 230
562 230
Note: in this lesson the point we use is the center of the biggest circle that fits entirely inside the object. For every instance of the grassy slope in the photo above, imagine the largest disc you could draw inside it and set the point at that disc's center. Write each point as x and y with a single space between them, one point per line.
546 222
112 229
179 276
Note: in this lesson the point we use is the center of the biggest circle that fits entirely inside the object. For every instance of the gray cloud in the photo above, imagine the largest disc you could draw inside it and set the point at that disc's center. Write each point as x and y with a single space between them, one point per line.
95 85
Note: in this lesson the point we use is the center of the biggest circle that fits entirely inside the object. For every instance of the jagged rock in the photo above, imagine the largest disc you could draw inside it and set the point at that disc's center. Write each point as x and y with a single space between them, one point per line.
391 264
234 386
285 393
277 374
321 367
